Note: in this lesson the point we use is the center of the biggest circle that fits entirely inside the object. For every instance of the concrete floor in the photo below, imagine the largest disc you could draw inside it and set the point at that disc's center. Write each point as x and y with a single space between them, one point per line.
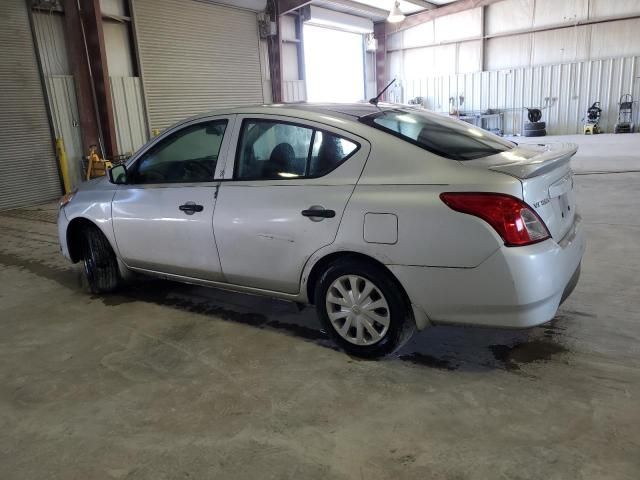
166 381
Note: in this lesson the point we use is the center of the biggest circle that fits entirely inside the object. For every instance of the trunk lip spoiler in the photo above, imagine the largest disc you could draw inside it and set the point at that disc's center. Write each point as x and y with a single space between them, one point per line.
540 164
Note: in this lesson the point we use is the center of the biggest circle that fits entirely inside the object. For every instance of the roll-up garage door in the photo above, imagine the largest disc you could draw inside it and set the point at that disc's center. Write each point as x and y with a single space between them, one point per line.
196 56
28 170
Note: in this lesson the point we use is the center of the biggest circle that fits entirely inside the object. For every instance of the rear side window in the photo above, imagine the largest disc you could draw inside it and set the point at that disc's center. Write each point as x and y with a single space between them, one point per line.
274 150
440 135
328 152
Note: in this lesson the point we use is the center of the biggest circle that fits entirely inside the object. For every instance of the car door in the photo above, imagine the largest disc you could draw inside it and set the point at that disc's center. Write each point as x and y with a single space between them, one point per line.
163 216
283 197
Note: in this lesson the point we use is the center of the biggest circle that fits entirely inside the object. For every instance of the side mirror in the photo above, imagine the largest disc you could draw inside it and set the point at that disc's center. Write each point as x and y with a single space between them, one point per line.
118 174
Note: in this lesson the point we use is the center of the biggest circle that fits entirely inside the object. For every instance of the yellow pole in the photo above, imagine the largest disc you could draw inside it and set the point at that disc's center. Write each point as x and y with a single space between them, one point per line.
64 167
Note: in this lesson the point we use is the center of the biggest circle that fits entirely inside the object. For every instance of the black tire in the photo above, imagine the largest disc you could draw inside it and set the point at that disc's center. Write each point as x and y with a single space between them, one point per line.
535 133
534 114
401 324
535 126
99 263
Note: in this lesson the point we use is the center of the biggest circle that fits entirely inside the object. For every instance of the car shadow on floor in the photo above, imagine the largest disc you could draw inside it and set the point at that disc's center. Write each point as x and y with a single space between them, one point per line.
440 347
449 348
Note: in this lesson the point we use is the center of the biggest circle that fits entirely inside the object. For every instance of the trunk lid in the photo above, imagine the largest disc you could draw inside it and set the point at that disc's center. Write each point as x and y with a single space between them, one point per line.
546 177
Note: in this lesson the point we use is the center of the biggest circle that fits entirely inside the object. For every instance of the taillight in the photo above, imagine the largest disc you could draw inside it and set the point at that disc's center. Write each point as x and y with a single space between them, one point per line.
513 219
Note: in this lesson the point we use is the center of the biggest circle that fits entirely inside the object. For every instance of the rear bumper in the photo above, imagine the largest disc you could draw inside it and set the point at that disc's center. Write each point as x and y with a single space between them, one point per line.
517 287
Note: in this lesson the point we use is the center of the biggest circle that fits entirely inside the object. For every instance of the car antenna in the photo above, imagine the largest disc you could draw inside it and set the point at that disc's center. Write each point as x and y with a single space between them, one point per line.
376 99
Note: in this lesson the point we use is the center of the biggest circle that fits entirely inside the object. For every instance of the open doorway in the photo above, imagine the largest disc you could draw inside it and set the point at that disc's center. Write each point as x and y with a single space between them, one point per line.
334 65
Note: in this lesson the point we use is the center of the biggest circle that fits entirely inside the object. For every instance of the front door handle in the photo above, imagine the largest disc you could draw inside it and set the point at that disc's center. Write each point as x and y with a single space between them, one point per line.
318 213
190 208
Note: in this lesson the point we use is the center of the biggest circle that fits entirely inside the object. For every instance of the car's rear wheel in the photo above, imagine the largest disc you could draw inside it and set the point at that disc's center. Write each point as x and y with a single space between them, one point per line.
99 263
363 308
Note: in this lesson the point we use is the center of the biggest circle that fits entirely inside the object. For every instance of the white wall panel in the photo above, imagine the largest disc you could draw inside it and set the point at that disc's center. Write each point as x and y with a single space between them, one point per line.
395 64
563 91
113 7
118 49
419 62
128 113
370 89
556 69
509 16
561 46
611 8
294 91
49 30
64 115
288 27
419 35
263 52
289 54
556 12
615 38
470 56
395 41
466 24
508 52
445 59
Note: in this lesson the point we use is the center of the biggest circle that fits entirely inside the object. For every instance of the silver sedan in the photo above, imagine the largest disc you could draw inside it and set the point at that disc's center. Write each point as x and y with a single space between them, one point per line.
387 218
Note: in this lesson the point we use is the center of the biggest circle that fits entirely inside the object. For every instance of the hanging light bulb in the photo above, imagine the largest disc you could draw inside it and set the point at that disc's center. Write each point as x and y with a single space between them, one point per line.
395 15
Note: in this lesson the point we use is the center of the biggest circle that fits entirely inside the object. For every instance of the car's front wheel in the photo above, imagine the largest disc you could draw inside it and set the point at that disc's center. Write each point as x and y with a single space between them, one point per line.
363 308
100 266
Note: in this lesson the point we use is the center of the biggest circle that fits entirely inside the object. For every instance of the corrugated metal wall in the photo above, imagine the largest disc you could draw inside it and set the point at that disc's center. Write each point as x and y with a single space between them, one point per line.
196 57
294 91
64 112
49 30
534 54
518 33
293 86
565 91
128 112
28 169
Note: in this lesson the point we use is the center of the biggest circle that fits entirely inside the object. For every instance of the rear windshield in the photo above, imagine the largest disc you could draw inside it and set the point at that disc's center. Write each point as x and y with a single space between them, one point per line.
438 134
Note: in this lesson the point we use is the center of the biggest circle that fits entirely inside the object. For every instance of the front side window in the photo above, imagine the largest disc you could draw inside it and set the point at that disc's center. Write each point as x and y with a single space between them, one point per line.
188 155
273 150
437 134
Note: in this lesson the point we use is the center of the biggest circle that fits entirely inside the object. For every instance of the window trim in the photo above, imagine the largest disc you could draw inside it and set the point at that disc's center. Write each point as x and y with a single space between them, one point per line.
134 162
369 120
313 128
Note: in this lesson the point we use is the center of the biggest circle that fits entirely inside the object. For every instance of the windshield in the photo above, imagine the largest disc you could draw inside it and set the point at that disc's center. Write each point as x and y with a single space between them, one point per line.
438 134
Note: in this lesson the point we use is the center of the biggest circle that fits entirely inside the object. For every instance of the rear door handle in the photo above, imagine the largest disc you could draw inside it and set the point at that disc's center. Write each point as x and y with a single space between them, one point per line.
190 208
319 213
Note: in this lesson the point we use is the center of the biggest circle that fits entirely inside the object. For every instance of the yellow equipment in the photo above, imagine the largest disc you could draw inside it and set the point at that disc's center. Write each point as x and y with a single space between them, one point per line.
592 125
96 166
591 129
64 167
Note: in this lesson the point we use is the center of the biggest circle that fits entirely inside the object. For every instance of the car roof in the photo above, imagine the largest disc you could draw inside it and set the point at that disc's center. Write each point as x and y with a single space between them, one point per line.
356 110
349 111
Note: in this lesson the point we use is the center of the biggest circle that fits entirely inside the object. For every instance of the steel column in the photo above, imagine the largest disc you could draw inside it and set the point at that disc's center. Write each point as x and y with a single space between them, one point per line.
379 33
80 70
91 18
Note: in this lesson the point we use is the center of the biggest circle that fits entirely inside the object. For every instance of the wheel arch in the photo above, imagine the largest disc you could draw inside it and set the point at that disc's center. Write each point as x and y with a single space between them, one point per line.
74 234
323 263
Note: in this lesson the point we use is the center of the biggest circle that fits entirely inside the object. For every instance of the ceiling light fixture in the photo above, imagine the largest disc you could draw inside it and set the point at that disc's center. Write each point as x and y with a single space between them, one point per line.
395 15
